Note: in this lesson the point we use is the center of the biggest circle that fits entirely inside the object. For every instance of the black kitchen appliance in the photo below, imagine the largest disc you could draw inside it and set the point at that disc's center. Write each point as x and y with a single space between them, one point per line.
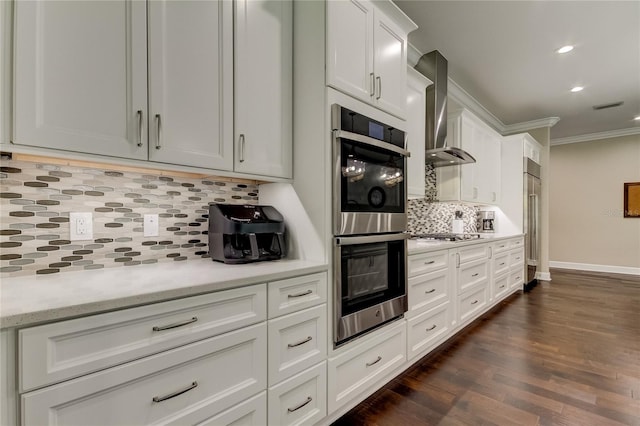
245 233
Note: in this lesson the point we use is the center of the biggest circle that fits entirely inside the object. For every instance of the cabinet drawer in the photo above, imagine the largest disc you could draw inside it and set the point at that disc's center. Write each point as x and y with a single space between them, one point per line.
473 252
501 246
427 291
358 369
471 303
426 329
516 278
427 262
294 294
252 412
188 384
296 341
472 274
516 243
501 286
301 399
500 263
59 351
516 258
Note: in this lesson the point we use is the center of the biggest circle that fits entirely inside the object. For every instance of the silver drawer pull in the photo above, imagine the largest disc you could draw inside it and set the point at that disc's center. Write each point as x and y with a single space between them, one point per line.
474 302
517 278
502 264
291 410
475 275
430 291
139 113
369 364
430 262
518 258
502 286
293 345
175 324
304 293
431 328
176 393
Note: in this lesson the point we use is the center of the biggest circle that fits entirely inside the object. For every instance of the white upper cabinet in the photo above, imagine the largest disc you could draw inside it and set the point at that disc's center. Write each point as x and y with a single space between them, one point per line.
80 76
416 116
263 87
478 182
188 100
367 52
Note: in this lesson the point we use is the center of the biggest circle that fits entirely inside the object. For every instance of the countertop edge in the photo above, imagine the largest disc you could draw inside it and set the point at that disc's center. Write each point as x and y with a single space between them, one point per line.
414 247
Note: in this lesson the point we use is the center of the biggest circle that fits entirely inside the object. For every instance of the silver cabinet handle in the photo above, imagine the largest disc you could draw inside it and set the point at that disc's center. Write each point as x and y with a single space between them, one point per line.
139 113
490 252
430 262
293 345
372 87
457 260
474 302
176 393
304 293
475 275
175 324
502 264
430 291
241 139
431 328
379 81
291 410
502 286
369 364
159 130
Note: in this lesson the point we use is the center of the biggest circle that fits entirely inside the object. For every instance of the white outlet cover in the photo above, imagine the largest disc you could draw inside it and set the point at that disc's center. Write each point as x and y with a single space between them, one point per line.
150 225
80 226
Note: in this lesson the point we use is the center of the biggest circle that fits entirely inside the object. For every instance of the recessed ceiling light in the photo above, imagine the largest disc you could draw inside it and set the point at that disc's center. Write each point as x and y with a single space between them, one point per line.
577 89
637 118
565 49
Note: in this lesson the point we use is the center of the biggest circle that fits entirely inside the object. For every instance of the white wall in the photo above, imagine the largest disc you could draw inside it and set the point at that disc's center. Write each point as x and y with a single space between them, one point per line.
587 227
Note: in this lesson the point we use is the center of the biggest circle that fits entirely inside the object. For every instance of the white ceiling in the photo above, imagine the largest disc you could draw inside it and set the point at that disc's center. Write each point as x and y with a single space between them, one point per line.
503 54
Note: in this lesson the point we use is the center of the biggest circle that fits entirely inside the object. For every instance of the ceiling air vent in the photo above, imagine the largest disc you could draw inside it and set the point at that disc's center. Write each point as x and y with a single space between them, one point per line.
605 106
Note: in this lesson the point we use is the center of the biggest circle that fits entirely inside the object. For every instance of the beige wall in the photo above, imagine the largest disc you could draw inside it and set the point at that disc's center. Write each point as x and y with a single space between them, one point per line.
586 201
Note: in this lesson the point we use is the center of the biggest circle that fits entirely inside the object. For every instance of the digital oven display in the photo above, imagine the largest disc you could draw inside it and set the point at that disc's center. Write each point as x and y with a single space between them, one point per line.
376 130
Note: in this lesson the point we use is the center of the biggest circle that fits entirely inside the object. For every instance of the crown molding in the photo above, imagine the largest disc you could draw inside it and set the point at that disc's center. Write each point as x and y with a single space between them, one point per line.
528 125
596 136
413 55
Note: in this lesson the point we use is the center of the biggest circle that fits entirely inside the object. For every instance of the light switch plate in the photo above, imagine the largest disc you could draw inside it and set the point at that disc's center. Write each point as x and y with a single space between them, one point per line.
80 226
150 225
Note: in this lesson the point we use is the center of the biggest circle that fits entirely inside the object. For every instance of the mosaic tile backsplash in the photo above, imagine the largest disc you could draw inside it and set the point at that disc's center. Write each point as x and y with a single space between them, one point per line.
36 199
426 217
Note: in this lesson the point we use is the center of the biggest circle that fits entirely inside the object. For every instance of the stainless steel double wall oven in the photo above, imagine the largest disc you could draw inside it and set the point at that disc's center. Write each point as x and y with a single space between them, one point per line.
369 223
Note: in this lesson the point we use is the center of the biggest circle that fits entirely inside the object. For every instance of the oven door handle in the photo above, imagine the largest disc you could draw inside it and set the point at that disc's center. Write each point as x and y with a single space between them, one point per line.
343 134
379 238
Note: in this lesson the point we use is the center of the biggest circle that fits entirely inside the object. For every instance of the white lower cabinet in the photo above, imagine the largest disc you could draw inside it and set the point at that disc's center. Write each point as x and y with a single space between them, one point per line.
427 329
185 385
357 370
501 286
427 291
302 399
471 303
252 412
297 341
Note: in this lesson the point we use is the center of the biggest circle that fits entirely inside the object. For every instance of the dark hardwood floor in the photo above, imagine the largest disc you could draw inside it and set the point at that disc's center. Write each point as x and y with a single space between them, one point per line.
567 353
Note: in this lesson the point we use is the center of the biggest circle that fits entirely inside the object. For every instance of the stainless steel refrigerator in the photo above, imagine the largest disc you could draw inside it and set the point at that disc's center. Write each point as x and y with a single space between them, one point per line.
531 221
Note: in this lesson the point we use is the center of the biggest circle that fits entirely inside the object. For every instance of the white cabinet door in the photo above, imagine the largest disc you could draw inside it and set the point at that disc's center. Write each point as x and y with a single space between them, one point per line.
389 64
350 47
263 87
416 116
80 76
190 83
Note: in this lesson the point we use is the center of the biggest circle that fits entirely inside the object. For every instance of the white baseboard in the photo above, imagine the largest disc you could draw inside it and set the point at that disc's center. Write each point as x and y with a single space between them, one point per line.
543 276
596 268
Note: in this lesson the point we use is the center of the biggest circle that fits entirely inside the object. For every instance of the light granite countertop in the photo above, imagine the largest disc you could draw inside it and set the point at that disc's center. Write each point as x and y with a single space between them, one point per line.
424 246
35 299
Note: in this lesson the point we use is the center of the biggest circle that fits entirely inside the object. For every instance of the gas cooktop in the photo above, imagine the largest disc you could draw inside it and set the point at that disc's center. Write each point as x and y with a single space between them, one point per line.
446 236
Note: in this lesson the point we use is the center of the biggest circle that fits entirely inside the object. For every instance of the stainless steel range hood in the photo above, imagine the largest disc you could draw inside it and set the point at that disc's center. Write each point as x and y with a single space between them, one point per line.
434 66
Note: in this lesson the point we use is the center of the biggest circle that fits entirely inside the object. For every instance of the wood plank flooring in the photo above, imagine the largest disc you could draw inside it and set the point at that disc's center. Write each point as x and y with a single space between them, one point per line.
567 353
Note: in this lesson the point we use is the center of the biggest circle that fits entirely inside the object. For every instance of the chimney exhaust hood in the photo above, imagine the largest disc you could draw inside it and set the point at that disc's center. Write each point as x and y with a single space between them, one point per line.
434 66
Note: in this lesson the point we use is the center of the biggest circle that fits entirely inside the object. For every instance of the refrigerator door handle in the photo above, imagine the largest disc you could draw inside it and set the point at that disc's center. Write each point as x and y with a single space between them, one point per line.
534 222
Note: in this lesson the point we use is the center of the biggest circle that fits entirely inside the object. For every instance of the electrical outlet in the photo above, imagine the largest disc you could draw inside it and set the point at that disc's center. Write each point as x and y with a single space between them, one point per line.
80 226
150 225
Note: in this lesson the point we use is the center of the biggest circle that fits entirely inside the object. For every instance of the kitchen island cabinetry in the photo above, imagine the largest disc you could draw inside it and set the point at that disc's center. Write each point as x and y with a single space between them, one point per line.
125 80
478 182
367 52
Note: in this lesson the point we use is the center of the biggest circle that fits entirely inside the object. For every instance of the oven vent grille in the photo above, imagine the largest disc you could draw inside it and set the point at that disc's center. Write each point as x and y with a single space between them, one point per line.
605 106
